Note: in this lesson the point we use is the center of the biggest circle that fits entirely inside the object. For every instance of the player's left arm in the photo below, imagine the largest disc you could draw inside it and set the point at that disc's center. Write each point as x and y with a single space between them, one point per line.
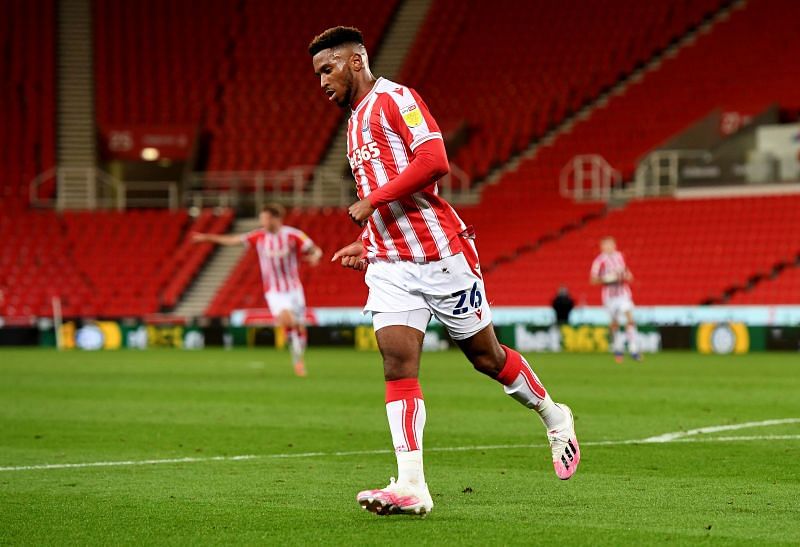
628 275
409 117
308 249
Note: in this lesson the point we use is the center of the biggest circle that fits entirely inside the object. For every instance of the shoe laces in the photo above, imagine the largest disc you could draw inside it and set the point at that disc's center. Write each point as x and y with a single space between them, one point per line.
557 442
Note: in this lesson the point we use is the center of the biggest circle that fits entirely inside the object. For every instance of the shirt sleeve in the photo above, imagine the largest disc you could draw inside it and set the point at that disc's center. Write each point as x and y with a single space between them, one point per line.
595 271
410 118
301 240
249 239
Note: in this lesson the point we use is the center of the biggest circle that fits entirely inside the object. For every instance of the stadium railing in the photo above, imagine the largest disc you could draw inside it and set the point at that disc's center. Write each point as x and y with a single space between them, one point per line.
301 186
90 188
589 177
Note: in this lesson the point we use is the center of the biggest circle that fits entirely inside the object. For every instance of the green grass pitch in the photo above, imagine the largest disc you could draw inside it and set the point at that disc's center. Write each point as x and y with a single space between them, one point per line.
737 486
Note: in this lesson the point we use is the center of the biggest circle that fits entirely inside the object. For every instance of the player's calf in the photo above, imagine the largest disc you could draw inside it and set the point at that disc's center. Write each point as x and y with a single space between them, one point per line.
521 383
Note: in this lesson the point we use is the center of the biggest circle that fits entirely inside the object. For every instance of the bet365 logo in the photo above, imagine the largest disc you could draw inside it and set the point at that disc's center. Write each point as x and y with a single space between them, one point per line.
369 151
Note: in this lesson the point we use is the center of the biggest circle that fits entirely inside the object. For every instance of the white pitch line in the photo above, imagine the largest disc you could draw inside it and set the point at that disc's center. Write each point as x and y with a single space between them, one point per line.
666 437
676 437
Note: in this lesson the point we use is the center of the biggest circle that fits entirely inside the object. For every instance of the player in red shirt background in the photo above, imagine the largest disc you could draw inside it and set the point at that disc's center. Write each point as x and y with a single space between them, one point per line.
420 260
278 247
610 270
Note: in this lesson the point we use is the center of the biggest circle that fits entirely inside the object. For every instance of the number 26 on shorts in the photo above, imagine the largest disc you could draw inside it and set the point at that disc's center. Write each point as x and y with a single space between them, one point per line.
475 300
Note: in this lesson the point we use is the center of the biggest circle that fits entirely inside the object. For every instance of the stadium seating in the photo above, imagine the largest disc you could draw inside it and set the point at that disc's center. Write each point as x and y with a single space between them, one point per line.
272 114
781 289
509 70
27 97
681 251
177 273
239 71
35 266
743 48
159 62
101 264
743 65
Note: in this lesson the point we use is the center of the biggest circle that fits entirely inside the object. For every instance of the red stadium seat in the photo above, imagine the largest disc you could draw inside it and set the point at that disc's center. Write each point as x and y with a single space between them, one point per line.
105 264
27 98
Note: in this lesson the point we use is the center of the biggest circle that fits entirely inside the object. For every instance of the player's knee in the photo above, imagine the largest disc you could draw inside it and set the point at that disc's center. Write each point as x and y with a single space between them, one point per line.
398 367
489 362
285 319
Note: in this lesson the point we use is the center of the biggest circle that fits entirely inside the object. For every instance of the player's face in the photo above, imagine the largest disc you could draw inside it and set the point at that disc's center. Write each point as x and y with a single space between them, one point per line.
608 246
269 221
335 75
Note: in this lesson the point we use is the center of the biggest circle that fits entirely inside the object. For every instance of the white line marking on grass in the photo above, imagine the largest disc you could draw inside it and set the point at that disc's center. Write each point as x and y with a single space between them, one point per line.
667 437
124 463
675 437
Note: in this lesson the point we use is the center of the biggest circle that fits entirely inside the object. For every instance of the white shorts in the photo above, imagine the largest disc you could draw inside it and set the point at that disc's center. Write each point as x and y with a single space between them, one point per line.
448 288
618 306
293 300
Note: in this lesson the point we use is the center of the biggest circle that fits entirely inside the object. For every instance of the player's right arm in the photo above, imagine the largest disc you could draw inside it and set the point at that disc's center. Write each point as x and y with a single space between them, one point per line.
594 273
598 278
219 239
409 117
352 256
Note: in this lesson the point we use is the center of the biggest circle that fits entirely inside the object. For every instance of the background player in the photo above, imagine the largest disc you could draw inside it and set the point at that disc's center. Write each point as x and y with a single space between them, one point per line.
278 247
420 260
610 271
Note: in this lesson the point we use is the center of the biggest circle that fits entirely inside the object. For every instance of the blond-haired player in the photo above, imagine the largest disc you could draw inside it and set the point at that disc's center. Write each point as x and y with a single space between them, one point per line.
610 271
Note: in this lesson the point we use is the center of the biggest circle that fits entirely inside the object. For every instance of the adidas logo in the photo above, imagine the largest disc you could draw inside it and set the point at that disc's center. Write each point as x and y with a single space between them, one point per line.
569 452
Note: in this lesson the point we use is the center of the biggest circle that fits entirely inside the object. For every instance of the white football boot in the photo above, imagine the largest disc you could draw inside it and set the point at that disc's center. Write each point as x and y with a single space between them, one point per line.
397 498
564 445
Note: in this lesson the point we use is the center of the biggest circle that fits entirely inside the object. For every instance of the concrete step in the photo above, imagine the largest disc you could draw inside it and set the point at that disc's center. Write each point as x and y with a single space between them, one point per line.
76 133
213 275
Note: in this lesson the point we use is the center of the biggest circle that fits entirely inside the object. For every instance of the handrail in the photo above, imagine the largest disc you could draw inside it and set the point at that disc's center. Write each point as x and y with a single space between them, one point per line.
36 182
299 186
89 180
603 178
658 173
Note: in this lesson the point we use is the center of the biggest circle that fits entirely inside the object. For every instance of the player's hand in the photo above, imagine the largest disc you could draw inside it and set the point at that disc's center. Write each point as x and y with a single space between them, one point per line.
360 211
610 278
351 256
313 257
197 237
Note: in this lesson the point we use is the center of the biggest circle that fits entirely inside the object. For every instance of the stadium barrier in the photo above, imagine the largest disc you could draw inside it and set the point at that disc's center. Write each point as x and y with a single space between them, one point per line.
708 329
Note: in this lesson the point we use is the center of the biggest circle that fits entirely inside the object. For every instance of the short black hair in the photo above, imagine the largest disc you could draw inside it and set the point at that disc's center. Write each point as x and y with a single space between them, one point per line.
335 36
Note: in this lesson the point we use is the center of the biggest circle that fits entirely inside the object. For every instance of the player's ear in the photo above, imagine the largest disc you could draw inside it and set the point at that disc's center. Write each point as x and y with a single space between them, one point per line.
356 62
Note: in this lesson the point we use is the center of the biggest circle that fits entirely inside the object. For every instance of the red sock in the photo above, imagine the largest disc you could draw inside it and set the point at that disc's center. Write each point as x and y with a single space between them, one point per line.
405 410
520 380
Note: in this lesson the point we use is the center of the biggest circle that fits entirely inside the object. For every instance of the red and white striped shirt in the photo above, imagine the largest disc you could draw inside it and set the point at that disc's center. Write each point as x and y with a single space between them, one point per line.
611 264
277 256
383 131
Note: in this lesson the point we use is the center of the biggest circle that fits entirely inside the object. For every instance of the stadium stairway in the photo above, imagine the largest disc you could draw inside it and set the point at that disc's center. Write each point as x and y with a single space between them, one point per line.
214 274
76 128
387 60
